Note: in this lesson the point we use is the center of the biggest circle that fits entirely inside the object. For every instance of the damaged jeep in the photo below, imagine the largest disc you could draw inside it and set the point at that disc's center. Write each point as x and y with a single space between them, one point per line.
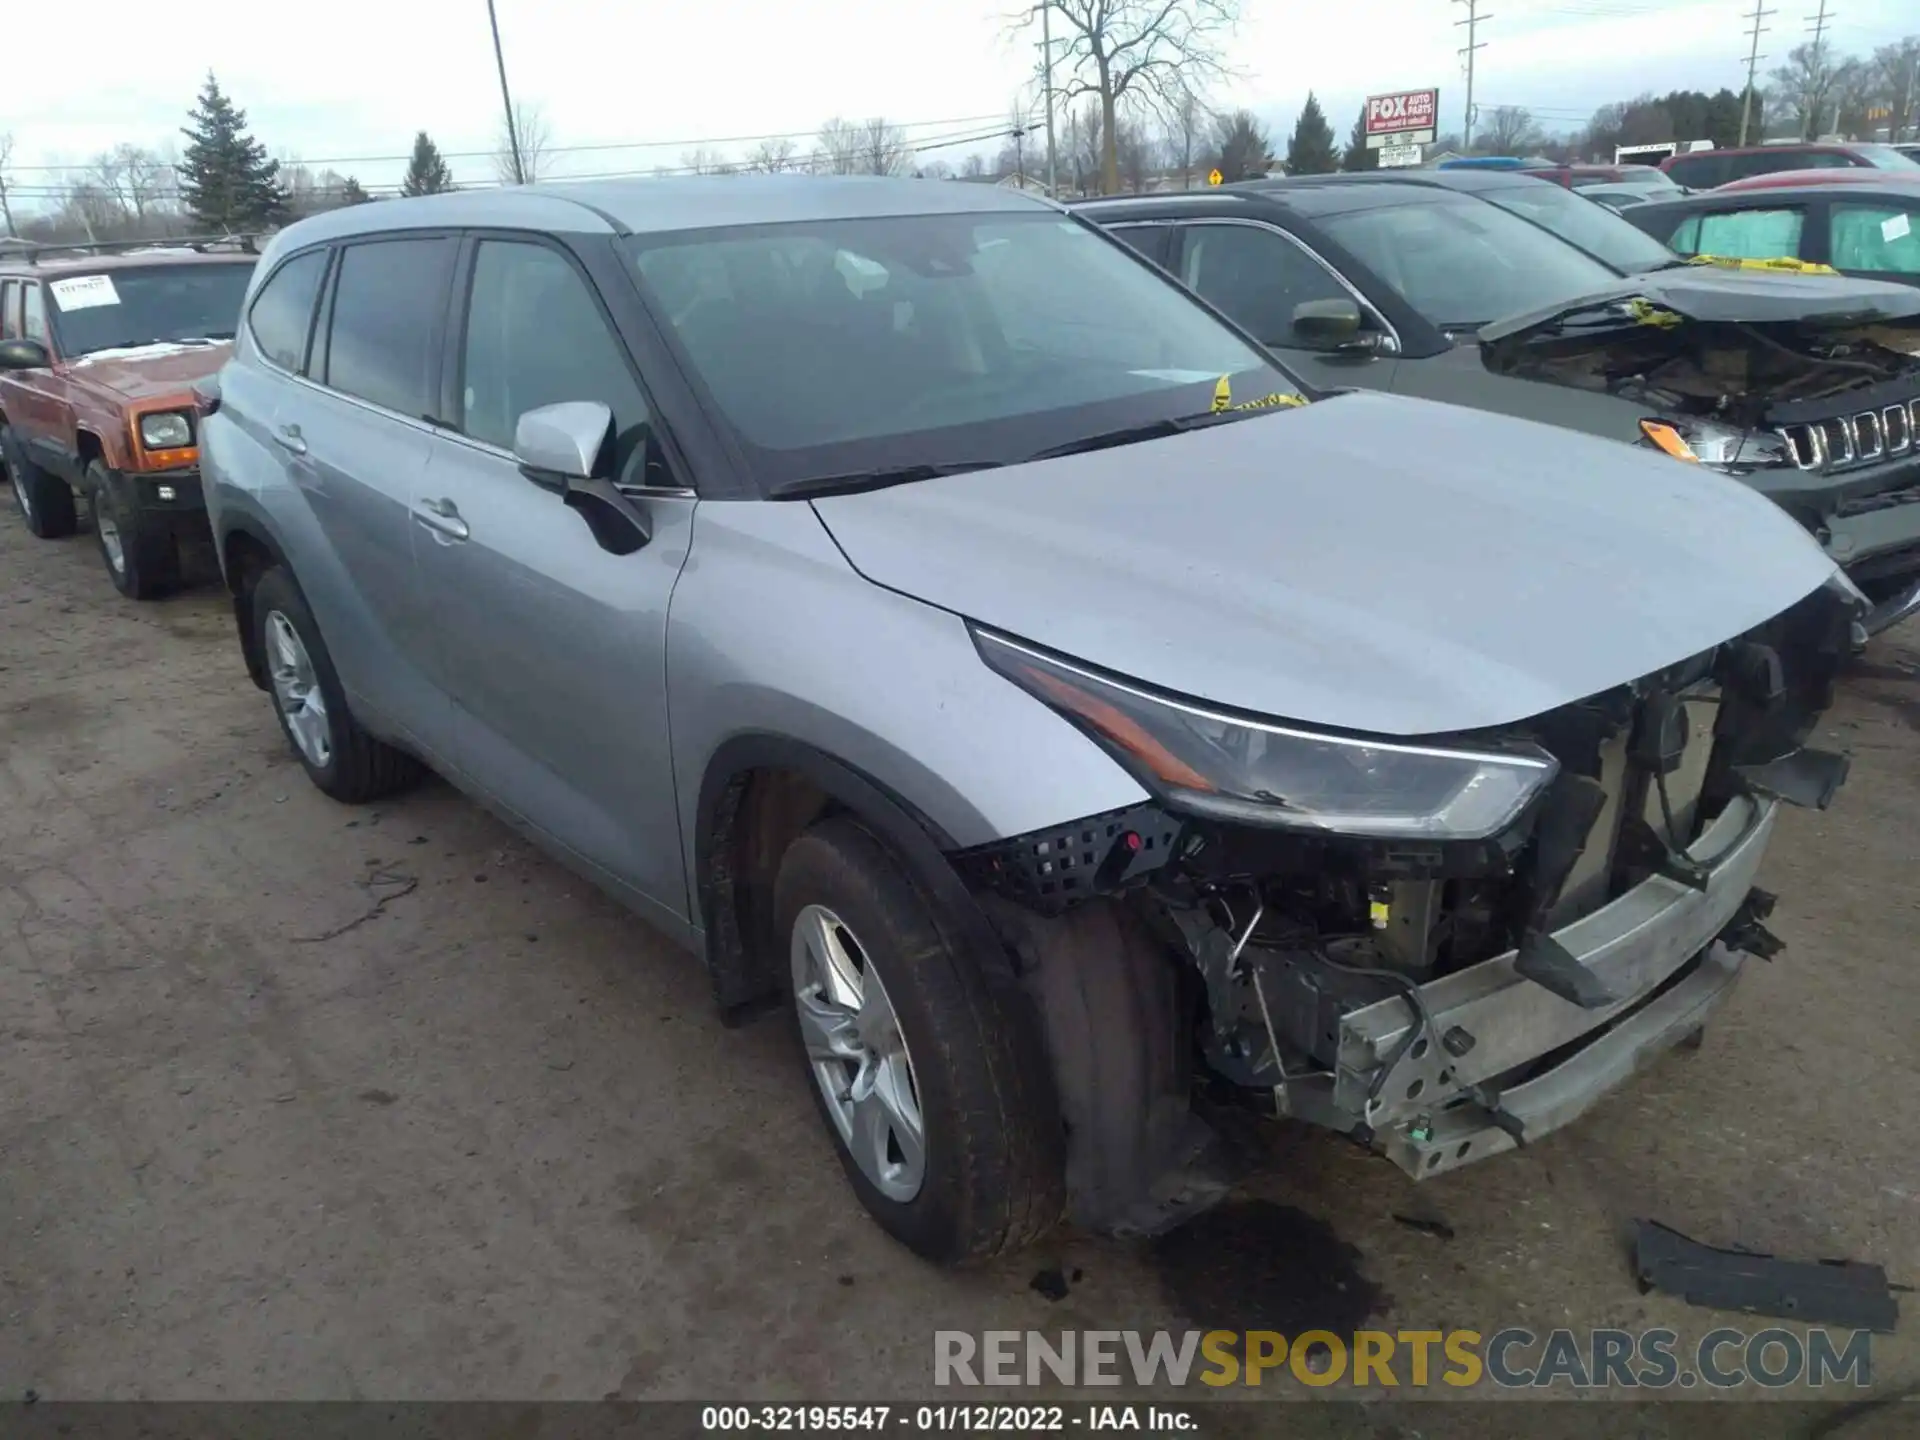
1081 729
1513 294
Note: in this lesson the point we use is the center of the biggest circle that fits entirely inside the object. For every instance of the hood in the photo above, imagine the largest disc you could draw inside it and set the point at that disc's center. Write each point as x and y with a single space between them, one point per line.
149 371
1369 562
1703 340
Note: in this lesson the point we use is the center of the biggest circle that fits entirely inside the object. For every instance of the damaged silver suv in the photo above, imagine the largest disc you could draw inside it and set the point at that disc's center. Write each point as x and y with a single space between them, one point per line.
912 601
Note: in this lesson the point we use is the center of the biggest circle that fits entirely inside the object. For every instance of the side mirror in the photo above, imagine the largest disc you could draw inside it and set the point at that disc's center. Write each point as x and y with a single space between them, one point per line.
559 447
23 355
1327 324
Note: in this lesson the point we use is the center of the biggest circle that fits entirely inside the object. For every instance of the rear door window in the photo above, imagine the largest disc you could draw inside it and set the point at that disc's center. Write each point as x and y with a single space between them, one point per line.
282 312
10 310
1880 238
33 325
1701 172
1149 240
1742 234
384 340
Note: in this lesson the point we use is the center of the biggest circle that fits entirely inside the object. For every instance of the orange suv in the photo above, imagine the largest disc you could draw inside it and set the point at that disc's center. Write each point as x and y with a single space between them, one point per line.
99 349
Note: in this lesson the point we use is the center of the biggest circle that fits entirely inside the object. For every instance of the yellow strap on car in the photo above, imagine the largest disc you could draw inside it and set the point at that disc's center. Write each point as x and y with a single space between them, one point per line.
1268 402
1222 395
1779 264
1645 312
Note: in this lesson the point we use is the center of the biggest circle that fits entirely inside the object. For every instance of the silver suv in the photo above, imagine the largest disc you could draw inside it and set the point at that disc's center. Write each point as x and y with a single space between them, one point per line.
912 601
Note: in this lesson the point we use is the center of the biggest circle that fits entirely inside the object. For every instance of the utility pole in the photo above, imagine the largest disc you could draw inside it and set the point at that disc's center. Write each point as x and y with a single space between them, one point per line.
1046 43
1019 160
1472 22
506 99
1754 57
1818 30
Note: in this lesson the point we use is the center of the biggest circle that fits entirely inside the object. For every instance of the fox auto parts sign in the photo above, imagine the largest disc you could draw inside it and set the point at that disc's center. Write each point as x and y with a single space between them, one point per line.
1404 117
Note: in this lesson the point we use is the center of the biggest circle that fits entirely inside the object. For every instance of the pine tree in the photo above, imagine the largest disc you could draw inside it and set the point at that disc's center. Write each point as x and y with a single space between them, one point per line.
1311 151
427 173
1358 156
226 180
352 193
1241 151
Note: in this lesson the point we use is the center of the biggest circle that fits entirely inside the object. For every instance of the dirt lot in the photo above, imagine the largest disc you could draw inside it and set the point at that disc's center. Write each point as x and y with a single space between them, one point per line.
299 1101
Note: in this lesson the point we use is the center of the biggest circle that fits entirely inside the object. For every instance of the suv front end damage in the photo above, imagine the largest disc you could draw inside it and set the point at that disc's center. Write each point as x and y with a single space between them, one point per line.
1448 947
1808 389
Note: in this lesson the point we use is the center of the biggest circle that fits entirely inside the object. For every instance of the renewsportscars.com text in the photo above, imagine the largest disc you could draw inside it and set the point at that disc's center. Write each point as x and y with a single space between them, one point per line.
1513 1358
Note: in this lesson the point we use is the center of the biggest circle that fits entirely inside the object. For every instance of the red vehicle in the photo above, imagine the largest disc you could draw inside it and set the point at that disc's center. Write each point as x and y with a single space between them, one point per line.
1826 177
1709 169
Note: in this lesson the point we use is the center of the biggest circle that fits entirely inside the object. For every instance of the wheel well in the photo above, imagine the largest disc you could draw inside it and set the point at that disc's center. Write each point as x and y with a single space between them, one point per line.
244 559
755 817
87 445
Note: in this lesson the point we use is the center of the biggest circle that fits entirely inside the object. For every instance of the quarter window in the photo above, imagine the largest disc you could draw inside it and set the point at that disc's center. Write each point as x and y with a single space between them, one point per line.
386 322
10 310
1742 235
283 310
536 336
1879 238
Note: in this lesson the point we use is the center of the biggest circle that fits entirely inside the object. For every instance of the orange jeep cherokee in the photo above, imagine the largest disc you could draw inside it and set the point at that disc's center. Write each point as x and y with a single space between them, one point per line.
98 355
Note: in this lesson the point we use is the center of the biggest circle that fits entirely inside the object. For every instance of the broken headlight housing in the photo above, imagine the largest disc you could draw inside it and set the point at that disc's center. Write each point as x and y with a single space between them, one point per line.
1229 767
1716 445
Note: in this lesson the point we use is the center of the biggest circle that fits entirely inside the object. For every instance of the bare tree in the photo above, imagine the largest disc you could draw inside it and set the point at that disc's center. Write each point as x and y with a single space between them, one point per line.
839 145
1145 49
1509 129
770 157
530 128
1136 151
974 166
1185 131
703 160
883 149
1897 68
1805 86
935 170
1089 138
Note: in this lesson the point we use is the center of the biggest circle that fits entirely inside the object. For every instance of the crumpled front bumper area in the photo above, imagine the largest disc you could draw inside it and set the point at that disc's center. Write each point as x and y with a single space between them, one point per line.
1503 1060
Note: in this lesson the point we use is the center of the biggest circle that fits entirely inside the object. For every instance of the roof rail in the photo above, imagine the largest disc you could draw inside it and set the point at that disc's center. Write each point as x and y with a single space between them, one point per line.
203 244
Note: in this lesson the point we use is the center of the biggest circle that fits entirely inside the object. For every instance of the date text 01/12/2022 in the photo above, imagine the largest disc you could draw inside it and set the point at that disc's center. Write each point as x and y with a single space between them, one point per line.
921 1419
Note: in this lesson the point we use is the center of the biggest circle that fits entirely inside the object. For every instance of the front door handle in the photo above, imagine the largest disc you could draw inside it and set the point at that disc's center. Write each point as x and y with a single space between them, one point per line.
443 516
289 437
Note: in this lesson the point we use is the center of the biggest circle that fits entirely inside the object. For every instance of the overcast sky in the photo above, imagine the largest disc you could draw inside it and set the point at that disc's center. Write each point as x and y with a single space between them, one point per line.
355 79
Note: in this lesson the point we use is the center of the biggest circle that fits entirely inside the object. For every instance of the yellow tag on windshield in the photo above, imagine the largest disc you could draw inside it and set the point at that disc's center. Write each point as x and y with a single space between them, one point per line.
1786 264
1222 395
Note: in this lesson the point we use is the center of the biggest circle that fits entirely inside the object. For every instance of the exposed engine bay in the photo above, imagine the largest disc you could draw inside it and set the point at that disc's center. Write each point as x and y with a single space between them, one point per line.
1737 370
1439 1002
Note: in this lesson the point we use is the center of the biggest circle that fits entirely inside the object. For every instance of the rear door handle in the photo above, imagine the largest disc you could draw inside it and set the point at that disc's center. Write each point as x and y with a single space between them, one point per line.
442 516
289 437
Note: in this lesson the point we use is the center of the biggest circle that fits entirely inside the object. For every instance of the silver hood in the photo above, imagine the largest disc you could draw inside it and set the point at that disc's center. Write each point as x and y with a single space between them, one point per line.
1369 563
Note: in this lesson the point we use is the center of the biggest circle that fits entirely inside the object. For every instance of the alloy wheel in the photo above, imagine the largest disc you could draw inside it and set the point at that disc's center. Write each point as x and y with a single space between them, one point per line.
296 689
857 1053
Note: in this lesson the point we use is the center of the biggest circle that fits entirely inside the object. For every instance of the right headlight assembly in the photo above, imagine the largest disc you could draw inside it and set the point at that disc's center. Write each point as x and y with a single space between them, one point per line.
1230 767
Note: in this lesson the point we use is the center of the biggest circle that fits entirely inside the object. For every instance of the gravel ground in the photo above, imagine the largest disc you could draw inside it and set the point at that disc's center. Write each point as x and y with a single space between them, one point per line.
298 1101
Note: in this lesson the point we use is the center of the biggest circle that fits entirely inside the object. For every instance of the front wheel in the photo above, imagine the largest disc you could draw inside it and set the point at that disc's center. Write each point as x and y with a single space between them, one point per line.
140 556
933 1091
340 757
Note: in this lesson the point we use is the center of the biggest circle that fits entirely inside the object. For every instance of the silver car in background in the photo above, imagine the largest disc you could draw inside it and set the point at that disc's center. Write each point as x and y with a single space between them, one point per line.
918 605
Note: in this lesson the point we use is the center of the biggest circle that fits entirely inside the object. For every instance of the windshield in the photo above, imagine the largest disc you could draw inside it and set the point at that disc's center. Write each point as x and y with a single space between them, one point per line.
840 345
1885 157
1580 221
128 309
1461 263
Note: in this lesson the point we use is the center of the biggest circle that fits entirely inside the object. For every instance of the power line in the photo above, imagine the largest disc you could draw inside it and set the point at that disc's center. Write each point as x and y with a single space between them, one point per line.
1753 58
584 149
1472 22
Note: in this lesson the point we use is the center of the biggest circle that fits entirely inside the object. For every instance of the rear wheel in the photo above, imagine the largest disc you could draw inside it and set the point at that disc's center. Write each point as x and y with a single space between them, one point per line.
140 556
930 1089
340 757
45 502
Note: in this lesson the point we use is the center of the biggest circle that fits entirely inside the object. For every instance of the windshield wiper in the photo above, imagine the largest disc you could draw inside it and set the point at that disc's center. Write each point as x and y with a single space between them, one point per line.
1152 430
853 482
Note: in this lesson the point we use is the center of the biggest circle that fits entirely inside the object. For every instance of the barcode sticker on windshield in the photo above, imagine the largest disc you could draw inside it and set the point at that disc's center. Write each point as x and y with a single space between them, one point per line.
84 292
1895 229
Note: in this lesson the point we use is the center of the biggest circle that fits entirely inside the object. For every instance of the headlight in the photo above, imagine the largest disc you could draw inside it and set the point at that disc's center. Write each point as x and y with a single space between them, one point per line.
1235 768
1708 442
170 431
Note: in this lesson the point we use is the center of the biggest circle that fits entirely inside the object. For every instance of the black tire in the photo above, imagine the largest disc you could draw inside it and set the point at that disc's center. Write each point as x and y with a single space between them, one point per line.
44 499
993 1178
147 565
357 767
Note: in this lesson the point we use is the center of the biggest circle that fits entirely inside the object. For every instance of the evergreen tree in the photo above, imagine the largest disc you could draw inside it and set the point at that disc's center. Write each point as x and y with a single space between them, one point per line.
1241 151
352 194
427 173
226 180
1312 150
1358 156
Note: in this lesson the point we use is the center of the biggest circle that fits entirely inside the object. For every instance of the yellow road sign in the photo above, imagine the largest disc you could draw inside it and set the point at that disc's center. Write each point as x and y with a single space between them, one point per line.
1213 177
